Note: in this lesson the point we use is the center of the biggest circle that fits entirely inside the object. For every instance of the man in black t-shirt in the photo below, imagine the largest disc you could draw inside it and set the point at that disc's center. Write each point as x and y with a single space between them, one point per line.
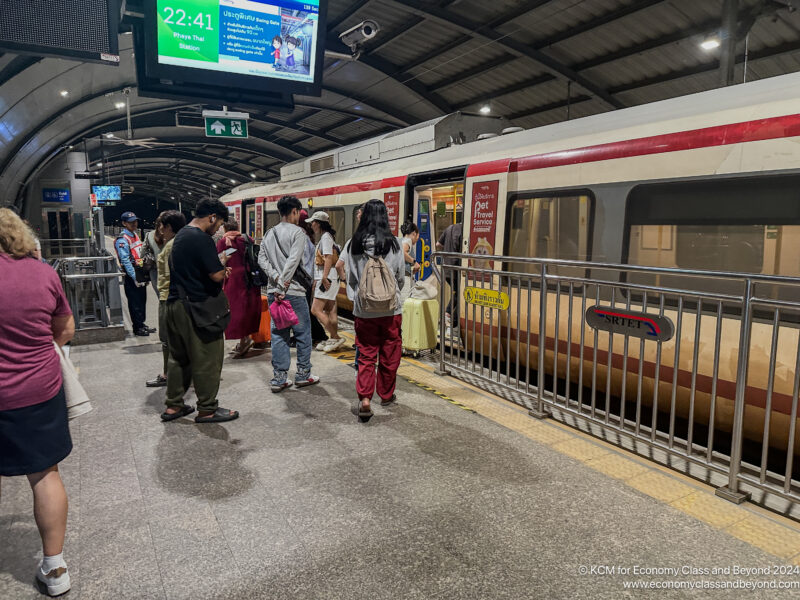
196 274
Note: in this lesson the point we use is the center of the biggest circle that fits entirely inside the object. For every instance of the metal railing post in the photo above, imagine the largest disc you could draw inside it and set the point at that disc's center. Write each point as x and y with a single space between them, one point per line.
442 306
539 411
731 491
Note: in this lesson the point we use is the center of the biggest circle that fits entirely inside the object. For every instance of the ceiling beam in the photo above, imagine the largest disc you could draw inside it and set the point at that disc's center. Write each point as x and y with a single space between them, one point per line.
548 63
387 37
177 156
17 65
184 151
346 14
169 175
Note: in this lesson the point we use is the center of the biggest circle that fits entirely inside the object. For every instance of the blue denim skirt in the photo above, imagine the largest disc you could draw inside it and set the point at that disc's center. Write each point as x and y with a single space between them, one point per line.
34 438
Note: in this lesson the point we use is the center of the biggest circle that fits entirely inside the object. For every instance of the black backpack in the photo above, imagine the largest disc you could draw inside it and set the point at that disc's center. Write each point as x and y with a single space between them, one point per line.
256 278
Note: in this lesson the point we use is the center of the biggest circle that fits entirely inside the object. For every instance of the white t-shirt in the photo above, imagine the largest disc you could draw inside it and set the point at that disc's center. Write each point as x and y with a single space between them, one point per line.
325 247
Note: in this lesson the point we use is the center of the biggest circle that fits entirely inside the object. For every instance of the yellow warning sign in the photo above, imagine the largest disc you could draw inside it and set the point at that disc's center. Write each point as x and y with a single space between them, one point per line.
488 298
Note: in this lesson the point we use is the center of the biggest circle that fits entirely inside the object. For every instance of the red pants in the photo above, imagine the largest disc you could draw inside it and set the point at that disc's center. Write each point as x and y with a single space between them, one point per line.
379 341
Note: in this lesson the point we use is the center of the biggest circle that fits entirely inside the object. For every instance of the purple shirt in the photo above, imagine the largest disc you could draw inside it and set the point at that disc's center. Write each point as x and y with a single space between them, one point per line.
30 296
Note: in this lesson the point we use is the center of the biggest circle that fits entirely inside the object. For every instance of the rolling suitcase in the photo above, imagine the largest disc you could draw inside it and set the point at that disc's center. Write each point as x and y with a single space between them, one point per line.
420 325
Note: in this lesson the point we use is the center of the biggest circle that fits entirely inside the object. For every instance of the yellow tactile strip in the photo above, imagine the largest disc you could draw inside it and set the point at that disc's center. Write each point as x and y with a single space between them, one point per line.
774 535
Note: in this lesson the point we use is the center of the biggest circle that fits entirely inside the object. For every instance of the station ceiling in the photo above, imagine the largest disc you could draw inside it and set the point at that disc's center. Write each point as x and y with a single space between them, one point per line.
533 62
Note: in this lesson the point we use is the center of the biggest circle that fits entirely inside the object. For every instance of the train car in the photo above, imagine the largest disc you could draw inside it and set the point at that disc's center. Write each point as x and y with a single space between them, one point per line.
709 181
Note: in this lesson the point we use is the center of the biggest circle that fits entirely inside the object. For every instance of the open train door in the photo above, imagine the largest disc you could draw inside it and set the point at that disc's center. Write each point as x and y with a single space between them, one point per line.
437 201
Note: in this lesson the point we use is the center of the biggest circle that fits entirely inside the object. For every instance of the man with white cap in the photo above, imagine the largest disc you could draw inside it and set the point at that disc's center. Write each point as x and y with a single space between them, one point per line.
129 253
326 280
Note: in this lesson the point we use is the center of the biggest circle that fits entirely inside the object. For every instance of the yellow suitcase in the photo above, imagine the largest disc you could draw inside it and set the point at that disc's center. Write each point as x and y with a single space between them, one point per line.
420 325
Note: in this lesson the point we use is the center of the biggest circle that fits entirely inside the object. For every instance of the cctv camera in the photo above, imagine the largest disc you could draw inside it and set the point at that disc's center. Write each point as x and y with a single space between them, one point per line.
355 36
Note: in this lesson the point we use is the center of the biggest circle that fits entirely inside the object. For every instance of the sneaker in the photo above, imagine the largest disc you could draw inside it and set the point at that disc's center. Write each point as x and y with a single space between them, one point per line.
56 581
307 381
323 346
150 329
142 332
334 344
159 381
277 388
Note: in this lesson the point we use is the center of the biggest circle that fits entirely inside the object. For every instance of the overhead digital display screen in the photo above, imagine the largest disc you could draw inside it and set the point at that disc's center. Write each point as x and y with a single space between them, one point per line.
107 193
266 39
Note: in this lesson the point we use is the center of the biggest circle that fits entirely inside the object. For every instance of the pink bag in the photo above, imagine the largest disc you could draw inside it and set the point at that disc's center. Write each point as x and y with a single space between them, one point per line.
283 315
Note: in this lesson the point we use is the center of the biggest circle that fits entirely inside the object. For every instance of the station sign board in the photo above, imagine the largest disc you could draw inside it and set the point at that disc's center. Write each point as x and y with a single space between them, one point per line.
55 195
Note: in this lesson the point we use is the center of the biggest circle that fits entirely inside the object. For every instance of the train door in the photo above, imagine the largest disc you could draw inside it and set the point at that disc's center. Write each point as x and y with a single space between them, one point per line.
438 202
58 222
249 225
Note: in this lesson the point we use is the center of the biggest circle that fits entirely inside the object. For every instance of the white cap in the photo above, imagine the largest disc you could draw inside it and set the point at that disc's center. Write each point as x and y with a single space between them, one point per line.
319 216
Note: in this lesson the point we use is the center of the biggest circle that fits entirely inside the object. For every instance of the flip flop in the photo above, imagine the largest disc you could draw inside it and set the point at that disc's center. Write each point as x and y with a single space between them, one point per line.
184 411
392 400
364 415
221 415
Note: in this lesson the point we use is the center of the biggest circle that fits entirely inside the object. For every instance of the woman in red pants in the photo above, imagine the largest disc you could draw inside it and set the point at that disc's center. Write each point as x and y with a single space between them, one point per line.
245 301
378 333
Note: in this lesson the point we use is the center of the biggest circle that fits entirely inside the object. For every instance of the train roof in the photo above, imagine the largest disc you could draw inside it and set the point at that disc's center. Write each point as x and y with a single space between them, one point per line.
437 140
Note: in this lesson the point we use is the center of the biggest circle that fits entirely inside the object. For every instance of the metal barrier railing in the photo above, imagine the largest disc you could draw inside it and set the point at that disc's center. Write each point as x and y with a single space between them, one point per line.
91 284
711 377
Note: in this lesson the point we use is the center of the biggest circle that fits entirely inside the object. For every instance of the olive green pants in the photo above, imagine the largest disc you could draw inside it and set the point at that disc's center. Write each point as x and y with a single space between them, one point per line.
162 333
192 359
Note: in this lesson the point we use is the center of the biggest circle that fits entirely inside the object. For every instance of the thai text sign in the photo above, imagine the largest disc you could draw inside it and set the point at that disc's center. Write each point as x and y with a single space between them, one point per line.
392 202
487 298
635 324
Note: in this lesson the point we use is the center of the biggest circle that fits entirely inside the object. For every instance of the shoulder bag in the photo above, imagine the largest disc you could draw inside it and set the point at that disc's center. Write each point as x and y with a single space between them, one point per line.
300 275
212 315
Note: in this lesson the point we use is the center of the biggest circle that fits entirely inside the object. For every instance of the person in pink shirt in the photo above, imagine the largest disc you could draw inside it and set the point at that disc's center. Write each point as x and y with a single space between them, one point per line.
34 432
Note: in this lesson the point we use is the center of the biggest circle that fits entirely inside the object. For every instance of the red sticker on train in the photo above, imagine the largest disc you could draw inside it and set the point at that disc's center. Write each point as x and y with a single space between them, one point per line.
483 225
259 220
392 202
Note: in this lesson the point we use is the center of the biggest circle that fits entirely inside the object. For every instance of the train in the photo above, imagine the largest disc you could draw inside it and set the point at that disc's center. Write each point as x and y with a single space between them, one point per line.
708 181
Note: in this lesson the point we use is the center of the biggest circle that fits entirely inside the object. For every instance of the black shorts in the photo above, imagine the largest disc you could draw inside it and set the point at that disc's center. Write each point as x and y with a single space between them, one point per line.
34 438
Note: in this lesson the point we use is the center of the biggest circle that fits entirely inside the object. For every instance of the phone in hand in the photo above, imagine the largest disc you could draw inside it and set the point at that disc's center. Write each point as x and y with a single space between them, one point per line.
230 251
321 288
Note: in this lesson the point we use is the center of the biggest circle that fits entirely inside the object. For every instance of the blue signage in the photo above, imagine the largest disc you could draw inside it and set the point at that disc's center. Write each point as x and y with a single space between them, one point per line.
55 195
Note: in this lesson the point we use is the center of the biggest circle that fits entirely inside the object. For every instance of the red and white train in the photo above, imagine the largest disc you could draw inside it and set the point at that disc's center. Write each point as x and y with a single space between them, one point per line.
709 181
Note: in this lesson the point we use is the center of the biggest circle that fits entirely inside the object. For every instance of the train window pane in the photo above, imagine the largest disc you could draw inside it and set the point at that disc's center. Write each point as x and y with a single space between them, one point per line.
272 219
550 227
744 225
337 218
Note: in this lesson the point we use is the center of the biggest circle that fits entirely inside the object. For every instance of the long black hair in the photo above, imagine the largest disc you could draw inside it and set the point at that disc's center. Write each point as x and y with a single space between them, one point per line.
374 222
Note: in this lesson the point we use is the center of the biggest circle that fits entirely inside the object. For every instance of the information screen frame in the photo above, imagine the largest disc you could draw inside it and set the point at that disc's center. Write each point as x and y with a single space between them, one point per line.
224 80
102 198
41 49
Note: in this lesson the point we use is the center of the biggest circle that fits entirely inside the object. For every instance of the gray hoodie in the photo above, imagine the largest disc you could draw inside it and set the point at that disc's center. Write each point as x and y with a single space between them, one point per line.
355 266
278 266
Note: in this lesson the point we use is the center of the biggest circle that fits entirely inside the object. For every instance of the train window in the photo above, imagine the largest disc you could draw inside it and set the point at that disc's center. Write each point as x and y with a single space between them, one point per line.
271 219
550 227
748 225
337 218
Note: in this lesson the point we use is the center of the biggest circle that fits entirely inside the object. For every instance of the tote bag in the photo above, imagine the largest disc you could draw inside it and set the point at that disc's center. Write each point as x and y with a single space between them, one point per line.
77 401
283 315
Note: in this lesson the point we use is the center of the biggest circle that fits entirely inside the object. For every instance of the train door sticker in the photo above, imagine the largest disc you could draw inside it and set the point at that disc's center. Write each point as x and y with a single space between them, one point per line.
392 202
635 324
424 244
483 225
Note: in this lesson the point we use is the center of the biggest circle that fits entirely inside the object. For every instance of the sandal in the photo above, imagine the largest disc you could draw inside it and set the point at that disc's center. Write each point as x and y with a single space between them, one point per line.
364 415
220 415
392 400
240 351
184 411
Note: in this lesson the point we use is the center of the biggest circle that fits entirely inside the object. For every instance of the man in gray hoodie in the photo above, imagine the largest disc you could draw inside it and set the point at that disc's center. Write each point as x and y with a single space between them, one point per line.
281 258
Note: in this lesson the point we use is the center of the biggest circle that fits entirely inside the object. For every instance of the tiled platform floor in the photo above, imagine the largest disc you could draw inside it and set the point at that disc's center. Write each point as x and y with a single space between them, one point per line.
297 500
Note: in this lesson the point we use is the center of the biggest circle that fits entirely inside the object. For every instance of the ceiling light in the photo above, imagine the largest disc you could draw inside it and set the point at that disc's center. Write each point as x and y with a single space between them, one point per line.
710 44
64 93
172 197
214 185
485 109
253 175
98 165
109 135
233 181
190 193
119 105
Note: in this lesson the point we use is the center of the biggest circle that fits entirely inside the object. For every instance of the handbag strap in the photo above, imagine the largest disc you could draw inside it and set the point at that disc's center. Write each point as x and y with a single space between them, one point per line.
286 256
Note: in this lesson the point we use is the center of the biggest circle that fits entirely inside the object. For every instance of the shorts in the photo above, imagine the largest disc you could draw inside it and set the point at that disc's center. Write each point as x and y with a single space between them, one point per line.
331 294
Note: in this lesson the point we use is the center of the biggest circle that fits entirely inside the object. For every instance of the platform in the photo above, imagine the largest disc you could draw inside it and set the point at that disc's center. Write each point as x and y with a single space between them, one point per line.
451 494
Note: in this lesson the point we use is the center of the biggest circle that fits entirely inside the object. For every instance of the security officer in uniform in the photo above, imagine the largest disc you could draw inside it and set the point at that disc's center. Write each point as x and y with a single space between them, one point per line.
129 253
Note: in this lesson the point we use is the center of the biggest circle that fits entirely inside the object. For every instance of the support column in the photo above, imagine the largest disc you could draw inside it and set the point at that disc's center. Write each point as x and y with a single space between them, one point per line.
727 61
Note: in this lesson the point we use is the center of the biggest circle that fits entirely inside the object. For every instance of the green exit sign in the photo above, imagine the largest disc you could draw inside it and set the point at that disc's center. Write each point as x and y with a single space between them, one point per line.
226 127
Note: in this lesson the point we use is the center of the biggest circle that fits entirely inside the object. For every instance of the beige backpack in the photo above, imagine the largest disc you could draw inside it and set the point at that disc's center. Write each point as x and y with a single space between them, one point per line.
377 288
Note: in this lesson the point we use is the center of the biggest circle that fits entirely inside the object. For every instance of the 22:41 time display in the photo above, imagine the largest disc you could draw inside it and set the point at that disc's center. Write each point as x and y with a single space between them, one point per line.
179 17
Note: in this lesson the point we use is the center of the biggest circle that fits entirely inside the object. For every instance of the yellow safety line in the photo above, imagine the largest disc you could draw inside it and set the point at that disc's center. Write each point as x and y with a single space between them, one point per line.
758 527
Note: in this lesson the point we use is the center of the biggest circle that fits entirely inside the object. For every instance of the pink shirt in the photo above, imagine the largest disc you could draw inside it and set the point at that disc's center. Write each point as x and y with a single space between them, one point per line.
30 296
